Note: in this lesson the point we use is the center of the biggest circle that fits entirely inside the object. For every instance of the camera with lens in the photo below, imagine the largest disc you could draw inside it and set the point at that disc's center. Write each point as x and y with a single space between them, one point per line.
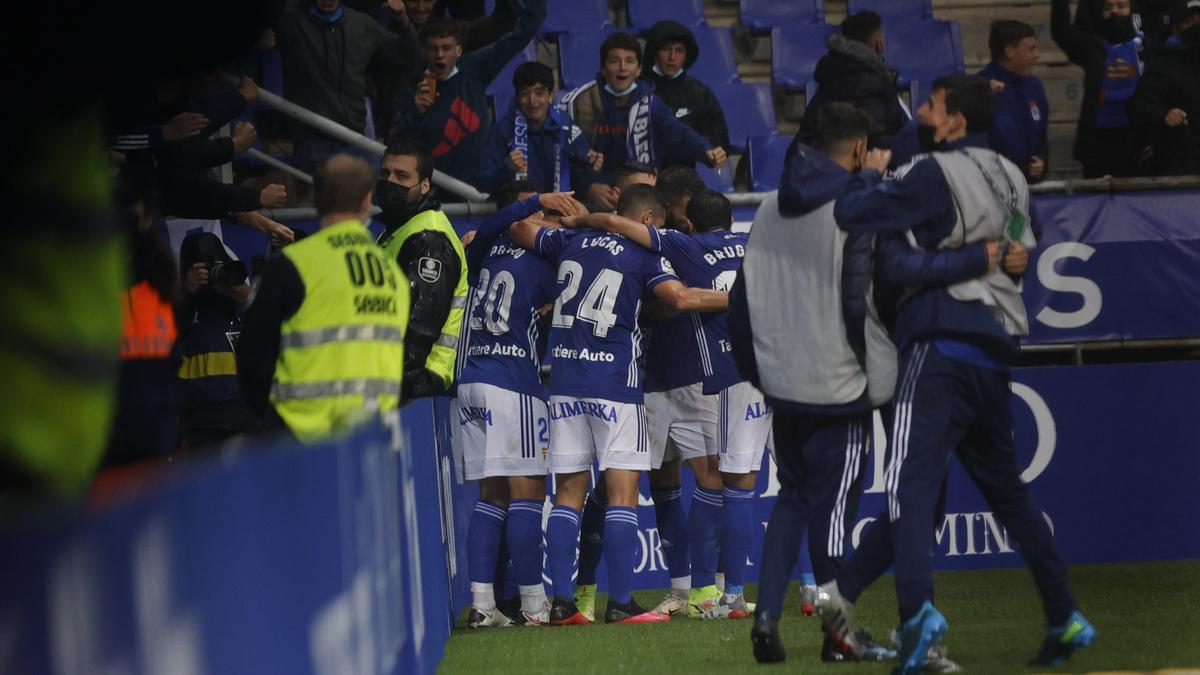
226 272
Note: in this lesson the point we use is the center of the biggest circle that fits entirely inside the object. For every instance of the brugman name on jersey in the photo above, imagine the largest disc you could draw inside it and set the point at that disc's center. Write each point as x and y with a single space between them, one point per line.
725 253
562 411
584 354
496 350
469 413
609 244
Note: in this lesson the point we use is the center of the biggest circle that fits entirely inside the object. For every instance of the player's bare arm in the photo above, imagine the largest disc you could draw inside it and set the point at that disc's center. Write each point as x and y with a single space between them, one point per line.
684 299
611 222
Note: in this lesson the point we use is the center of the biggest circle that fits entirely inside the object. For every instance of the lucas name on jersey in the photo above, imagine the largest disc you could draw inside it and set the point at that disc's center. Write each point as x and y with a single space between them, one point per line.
584 354
610 244
497 350
565 410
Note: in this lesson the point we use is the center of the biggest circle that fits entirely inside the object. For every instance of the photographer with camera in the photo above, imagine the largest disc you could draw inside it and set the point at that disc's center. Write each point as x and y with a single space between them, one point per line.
215 288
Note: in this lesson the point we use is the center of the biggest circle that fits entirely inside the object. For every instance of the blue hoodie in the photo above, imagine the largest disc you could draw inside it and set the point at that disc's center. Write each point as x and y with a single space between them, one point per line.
557 137
920 200
666 135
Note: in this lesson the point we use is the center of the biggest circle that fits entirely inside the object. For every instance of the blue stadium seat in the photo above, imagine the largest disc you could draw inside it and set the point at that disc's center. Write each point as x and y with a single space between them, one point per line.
564 16
924 49
720 181
749 111
795 51
765 154
892 10
501 89
763 15
645 13
717 63
579 56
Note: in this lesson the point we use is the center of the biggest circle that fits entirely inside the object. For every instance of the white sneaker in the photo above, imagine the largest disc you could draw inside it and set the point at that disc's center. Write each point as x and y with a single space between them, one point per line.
539 618
727 608
488 619
673 604
808 599
837 618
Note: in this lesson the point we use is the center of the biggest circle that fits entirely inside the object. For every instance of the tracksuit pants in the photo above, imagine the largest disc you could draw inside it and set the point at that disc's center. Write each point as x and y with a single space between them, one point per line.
943 406
820 462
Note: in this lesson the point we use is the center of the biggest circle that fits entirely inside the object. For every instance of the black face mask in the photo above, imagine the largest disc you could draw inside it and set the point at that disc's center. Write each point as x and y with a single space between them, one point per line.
925 137
1117 29
393 200
1191 38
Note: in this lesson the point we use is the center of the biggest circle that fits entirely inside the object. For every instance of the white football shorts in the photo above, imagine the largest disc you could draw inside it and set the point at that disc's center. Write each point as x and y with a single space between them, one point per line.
587 429
500 432
744 428
682 423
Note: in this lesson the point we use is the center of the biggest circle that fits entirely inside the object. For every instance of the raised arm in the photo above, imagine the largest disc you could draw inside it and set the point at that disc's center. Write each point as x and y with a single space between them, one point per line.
636 232
684 299
921 195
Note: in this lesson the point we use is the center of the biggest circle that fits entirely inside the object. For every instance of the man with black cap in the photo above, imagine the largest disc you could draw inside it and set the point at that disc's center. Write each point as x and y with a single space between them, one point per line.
673 50
1167 99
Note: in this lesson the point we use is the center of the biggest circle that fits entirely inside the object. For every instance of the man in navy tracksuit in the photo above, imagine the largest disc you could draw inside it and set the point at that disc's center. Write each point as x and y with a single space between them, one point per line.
1020 130
957 345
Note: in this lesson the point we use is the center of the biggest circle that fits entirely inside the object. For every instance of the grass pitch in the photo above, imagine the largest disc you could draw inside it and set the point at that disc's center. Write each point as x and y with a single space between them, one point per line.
1147 616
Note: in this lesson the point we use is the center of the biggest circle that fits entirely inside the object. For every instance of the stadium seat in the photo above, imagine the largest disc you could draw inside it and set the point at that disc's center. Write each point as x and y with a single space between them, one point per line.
720 181
645 13
579 56
563 16
761 16
501 89
892 11
765 154
749 111
717 63
795 51
924 49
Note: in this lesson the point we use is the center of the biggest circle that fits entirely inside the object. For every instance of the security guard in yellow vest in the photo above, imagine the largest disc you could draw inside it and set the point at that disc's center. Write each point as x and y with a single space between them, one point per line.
424 245
323 340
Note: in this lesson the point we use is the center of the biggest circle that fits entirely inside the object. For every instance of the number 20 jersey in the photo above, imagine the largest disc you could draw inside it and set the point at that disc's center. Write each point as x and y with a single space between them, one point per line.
505 333
595 341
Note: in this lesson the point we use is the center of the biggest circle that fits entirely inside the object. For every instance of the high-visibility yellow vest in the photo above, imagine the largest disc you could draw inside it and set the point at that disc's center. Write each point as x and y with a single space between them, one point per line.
442 355
341 356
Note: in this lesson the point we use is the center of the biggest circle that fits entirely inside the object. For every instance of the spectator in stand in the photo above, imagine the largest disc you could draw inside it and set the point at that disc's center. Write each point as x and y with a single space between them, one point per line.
854 72
673 50
446 109
536 141
1019 131
1150 17
326 49
1167 99
605 107
1111 59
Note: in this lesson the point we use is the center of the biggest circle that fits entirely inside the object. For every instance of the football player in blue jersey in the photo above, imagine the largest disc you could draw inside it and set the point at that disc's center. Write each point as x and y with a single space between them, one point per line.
711 257
596 395
501 430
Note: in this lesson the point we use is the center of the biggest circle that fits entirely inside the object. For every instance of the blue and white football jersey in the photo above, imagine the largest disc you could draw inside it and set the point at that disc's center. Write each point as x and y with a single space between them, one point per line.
708 260
672 358
595 341
505 336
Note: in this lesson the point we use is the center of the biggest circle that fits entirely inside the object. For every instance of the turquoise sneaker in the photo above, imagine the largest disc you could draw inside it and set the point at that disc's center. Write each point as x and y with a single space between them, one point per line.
1064 640
917 635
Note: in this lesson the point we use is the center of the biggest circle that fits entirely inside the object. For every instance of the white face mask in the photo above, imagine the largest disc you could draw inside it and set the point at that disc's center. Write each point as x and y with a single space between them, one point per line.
619 94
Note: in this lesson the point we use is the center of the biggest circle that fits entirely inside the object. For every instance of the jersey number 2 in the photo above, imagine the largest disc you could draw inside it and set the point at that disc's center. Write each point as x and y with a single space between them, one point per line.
496 300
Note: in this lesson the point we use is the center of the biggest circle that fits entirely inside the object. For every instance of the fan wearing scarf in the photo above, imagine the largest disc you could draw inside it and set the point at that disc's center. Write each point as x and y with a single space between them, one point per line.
624 121
535 141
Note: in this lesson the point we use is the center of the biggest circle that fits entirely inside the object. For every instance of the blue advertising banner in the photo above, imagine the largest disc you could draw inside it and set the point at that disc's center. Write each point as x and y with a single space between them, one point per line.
327 560
1108 450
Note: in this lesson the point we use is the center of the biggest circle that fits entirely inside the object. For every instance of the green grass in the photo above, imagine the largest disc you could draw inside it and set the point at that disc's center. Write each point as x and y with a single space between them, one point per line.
1147 616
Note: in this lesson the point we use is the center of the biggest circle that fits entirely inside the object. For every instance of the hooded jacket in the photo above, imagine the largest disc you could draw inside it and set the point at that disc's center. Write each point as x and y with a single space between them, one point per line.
693 102
853 73
1171 81
609 131
325 64
455 128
